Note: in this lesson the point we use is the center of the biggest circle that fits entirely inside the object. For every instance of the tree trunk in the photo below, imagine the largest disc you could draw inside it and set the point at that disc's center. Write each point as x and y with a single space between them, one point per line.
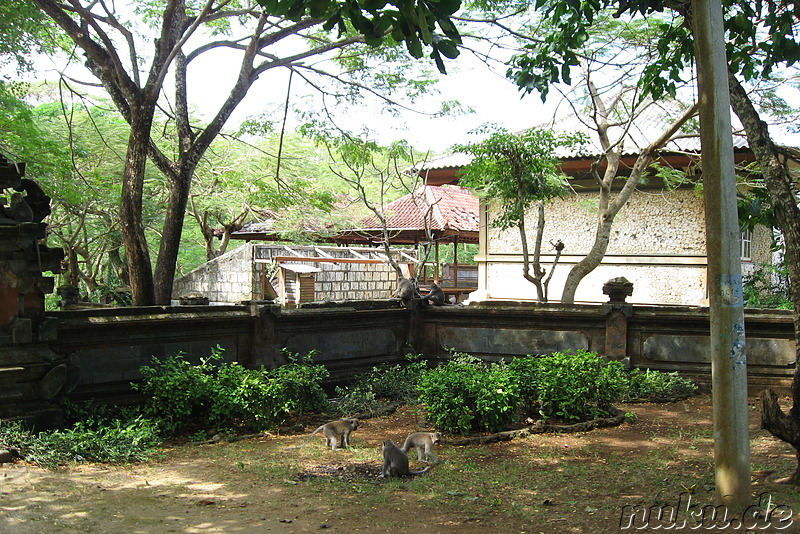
171 237
534 278
779 184
609 208
137 253
782 426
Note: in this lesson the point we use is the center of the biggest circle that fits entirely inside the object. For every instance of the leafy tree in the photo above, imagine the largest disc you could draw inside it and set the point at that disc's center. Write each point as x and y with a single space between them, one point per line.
518 171
135 82
24 32
237 180
378 175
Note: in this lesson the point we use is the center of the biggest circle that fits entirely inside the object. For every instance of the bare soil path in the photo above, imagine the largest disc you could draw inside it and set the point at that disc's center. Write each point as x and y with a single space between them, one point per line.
545 483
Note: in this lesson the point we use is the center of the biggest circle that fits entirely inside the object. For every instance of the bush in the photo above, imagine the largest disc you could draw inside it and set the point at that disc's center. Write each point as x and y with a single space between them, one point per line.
466 394
643 385
228 394
760 291
397 382
525 373
574 387
392 382
117 442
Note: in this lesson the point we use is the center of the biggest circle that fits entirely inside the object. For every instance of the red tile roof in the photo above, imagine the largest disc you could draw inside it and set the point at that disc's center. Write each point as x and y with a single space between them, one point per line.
447 208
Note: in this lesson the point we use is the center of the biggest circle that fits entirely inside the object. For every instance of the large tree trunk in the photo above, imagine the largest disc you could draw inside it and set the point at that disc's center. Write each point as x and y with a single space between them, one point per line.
171 235
137 253
784 203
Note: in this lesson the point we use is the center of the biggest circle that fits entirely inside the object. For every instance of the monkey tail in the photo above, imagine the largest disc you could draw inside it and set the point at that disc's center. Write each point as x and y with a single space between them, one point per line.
419 472
309 438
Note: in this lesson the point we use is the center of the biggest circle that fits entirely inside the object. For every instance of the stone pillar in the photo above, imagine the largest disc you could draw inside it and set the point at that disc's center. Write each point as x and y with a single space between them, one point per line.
617 312
31 374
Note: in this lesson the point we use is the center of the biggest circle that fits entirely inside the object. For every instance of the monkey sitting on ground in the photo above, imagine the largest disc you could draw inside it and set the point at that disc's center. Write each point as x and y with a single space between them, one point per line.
423 442
395 461
337 433
436 296
406 290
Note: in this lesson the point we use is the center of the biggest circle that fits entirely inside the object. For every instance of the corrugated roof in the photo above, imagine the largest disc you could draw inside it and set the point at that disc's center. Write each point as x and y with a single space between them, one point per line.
445 207
647 128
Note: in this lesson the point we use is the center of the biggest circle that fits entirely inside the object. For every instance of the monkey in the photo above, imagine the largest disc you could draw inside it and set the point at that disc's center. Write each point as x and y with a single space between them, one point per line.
395 461
423 442
406 290
337 433
435 296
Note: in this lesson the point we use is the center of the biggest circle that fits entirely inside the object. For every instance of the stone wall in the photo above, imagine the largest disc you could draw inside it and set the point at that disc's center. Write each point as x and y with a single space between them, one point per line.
230 278
109 346
345 280
355 282
236 275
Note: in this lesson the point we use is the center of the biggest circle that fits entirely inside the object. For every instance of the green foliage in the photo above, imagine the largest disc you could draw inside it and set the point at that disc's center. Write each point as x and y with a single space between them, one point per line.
357 398
397 382
227 394
759 37
760 292
573 387
516 169
466 394
25 30
525 371
116 441
644 385
410 21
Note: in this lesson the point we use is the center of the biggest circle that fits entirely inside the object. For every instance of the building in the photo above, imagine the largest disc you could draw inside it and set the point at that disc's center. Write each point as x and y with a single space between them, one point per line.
657 240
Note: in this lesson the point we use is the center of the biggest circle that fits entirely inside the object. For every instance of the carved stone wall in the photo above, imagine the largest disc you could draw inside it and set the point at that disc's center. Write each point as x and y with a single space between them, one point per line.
31 374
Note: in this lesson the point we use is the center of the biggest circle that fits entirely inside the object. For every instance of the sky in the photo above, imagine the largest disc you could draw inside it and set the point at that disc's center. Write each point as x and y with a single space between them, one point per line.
493 98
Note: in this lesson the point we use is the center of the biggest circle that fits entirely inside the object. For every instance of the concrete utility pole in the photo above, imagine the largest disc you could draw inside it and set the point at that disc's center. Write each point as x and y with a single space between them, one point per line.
728 360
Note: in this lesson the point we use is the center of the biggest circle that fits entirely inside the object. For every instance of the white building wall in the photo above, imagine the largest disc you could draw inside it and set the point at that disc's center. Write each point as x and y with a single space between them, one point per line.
657 242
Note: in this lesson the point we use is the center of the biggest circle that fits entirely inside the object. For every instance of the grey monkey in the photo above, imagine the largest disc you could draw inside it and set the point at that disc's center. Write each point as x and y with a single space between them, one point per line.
406 290
423 442
395 461
337 433
435 296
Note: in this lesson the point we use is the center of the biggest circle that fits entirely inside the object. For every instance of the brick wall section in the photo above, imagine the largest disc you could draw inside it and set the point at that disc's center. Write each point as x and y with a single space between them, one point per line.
229 278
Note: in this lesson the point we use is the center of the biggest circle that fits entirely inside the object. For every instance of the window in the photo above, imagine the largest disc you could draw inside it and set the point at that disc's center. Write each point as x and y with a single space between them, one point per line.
745 239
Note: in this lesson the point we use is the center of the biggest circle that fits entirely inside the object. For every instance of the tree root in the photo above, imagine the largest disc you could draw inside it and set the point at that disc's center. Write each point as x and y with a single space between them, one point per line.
783 426
541 427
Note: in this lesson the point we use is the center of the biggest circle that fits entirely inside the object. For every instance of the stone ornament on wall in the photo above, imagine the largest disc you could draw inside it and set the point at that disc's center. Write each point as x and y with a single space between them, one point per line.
31 374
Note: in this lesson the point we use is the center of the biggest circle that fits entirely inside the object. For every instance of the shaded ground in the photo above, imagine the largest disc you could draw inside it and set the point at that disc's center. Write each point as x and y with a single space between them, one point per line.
546 483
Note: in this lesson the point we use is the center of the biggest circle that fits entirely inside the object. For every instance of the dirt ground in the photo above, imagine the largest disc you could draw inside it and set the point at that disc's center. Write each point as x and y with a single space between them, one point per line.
553 483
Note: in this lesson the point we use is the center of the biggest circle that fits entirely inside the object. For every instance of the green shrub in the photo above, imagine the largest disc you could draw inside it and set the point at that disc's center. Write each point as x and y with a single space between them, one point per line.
655 385
117 442
356 398
466 394
760 291
574 387
228 394
296 386
525 373
177 390
396 382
